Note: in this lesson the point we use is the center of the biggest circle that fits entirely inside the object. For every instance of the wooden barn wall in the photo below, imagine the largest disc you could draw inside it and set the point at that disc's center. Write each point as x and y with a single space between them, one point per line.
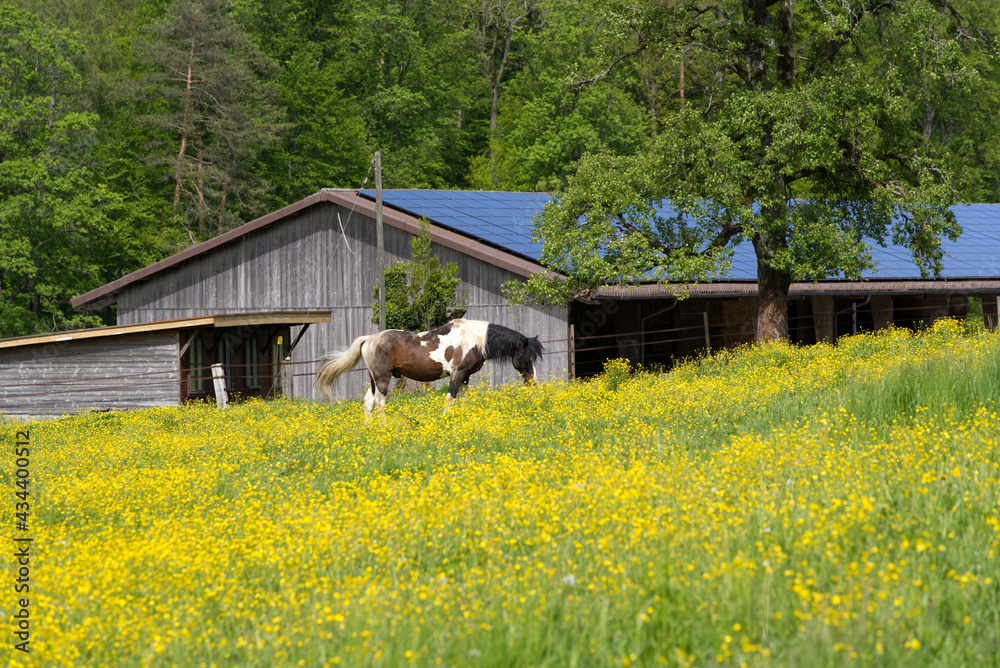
117 373
307 262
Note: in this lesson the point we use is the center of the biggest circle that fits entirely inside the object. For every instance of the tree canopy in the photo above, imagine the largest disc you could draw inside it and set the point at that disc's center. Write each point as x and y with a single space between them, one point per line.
804 145
61 220
134 129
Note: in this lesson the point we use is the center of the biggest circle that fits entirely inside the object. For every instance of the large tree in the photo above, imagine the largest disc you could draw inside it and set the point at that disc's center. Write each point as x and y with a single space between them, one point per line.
414 70
322 140
494 24
216 107
804 146
954 90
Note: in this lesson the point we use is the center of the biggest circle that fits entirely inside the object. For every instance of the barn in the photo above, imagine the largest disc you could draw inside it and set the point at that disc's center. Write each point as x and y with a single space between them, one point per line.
319 255
316 261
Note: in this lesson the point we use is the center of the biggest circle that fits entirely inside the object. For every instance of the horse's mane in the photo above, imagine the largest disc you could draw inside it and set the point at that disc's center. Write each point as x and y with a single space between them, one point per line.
502 343
534 348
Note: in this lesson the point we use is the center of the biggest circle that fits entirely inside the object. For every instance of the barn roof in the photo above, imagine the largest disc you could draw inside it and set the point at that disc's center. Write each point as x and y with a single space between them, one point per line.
221 320
496 227
505 219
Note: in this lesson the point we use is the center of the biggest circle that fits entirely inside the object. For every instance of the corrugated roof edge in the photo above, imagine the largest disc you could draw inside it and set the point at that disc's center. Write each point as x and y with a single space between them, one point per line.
744 288
446 236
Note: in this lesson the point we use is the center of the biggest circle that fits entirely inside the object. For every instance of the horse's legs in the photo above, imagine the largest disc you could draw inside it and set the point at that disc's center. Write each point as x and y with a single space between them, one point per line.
380 403
459 379
378 390
369 401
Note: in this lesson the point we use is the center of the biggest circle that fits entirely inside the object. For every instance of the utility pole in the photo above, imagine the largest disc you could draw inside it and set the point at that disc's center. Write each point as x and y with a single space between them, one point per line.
380 240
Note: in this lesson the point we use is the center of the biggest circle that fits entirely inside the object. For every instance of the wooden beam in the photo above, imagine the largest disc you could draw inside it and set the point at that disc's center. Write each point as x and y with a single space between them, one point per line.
187 344
282 318
98 332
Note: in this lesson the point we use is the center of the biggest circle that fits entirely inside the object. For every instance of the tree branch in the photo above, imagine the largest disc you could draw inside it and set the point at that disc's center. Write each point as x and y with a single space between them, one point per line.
832 47
600 75
651 240
722 238
727 232
644 42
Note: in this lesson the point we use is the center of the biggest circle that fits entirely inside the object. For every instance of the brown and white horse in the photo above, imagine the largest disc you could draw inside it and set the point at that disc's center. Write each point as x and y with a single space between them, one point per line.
457 349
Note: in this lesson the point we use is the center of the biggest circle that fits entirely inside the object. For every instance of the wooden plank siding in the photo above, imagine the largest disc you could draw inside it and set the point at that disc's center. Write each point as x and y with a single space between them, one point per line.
304 262
110 373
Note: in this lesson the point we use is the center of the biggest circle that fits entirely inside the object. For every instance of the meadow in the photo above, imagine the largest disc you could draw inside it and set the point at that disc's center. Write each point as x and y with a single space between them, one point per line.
775 505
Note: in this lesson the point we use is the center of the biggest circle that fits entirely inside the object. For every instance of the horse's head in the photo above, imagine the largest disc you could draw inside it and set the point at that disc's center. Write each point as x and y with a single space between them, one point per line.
524 359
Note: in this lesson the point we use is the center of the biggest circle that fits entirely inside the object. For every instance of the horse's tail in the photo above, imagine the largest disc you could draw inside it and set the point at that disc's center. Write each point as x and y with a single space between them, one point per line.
338 363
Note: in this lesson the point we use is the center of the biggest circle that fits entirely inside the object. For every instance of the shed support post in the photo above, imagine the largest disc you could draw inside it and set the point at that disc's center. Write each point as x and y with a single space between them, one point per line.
380 241
187 344
936 307
752 303
572 351
298 338
287 382
989 310
219 382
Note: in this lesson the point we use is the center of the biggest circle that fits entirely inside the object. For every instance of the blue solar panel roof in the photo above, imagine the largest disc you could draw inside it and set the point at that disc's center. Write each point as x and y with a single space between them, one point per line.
976 253
504 219
499 218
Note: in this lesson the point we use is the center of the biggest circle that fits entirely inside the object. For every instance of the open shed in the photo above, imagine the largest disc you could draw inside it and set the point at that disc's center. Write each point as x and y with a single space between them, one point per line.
649 326
162 363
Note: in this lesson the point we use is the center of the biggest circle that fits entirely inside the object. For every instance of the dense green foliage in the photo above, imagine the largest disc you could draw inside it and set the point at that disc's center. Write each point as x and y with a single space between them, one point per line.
815 136
133 129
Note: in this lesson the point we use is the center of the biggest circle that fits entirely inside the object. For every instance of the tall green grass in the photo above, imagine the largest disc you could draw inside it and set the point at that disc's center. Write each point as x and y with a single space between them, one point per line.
880 378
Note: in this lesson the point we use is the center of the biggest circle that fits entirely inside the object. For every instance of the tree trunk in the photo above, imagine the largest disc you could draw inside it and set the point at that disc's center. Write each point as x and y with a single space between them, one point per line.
499 19
182 154
495 82
772 291
786 53
772 314
494 103
681 89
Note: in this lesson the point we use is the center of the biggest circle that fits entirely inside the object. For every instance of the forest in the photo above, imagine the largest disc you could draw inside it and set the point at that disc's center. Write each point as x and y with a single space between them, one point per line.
130 130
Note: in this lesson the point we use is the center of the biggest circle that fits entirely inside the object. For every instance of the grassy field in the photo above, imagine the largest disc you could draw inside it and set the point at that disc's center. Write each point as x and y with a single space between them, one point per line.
781 505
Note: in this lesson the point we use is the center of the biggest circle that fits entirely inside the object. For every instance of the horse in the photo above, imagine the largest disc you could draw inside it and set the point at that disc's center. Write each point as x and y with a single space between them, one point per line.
457 349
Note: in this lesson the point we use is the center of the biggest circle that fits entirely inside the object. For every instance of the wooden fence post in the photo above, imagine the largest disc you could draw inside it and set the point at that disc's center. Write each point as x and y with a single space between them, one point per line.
287 382
219 381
